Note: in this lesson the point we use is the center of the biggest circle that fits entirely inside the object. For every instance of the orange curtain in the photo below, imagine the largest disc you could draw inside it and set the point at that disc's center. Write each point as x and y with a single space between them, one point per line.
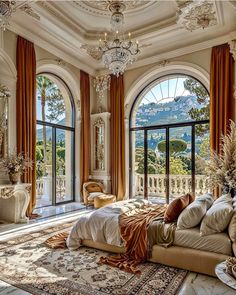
117 137
222 106
26 110
85 143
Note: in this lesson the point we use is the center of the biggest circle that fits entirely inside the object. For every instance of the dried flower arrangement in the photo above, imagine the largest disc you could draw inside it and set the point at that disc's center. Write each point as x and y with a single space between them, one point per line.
15 165
222 168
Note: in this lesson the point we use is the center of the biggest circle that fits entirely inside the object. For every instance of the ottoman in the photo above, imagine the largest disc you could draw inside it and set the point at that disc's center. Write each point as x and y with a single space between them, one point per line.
103 200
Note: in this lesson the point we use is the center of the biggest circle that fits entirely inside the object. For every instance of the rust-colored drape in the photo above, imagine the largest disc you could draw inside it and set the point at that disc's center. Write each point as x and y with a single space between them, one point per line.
85 143
221 93
117 137
26 110
222 107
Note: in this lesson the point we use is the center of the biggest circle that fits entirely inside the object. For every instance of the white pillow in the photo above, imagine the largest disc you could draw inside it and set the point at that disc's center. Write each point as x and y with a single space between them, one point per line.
192 215
224 198
208 198
217 217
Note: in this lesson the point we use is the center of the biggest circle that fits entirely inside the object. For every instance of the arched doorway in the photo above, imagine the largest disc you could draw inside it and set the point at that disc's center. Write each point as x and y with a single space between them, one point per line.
169 138
55 141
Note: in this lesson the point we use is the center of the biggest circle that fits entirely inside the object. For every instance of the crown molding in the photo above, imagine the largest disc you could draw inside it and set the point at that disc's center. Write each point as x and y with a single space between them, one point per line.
53 49
183 50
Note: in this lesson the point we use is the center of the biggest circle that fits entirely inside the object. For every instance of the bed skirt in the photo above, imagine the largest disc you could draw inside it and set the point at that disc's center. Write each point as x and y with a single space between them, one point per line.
186 258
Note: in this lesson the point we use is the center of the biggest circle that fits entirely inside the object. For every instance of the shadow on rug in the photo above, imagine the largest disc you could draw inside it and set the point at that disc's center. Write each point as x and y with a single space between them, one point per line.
27 264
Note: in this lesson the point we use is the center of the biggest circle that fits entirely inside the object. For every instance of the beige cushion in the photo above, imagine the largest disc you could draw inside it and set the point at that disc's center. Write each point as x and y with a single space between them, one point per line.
103 200
232 227
191 238
208 198
234 248
192 215
91 196
218 216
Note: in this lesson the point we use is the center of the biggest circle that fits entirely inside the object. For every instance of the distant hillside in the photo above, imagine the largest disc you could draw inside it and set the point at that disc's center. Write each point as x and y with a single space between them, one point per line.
165 113
60 133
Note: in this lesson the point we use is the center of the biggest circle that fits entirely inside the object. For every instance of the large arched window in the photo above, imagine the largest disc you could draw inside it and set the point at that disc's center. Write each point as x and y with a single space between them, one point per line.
54 142
169 138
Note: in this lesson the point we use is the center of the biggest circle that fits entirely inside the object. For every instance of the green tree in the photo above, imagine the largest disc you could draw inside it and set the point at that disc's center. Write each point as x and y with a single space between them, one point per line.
177 167
175 146
204 148
47 91
196 88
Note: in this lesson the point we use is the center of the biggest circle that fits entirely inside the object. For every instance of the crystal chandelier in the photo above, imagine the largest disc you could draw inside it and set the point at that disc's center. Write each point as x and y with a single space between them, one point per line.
117 51
6 9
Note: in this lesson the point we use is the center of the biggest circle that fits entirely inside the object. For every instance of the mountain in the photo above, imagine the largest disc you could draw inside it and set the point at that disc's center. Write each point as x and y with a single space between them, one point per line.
166 113
60 133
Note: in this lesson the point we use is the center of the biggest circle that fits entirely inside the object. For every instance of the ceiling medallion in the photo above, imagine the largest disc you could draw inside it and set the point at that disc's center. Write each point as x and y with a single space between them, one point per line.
116 49
6 9
103 5
194 15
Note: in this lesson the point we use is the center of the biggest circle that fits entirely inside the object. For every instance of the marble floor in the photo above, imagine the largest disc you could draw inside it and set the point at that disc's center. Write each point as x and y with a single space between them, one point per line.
45 214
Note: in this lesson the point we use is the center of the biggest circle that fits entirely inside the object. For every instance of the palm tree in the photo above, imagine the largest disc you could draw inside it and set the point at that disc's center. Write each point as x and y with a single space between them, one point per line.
46 90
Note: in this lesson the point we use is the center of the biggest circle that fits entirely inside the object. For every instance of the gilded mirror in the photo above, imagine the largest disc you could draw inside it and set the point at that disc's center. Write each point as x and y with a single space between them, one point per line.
99 134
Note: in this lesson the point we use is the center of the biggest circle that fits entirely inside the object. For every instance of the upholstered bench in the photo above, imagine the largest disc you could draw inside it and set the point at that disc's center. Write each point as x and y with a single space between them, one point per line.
103 200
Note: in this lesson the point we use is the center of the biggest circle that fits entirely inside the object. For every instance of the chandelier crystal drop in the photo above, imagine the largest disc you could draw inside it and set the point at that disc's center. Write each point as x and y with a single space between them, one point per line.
118 50
6 9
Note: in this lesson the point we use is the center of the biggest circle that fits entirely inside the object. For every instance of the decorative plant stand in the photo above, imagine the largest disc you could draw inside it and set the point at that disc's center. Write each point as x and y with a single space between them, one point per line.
14 200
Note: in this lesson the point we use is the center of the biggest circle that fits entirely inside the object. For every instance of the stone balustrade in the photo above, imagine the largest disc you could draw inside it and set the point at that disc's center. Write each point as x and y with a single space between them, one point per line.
180 184
44 181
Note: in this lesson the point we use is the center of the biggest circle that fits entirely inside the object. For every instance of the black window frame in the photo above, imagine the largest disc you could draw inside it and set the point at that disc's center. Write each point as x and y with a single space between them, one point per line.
55 127
167 128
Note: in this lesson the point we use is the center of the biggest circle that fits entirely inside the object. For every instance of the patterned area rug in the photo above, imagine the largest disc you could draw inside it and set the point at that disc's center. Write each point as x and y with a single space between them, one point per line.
27 264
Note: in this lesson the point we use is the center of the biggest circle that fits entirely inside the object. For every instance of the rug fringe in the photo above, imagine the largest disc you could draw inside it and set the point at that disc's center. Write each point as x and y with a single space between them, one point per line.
58 241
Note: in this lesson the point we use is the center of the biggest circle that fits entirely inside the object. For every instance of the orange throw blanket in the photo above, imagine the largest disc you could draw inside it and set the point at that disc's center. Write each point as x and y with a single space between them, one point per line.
133 228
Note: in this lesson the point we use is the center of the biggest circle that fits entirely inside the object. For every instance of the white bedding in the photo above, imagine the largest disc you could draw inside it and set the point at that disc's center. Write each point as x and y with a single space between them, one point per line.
102 225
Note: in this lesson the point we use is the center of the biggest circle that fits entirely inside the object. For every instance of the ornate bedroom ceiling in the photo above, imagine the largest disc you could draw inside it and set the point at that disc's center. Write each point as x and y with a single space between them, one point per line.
164 28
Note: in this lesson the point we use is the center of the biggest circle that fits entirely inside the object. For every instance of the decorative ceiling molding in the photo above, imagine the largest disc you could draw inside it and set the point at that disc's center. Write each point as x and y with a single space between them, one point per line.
93 51
102 7
198 14
232 45
29 10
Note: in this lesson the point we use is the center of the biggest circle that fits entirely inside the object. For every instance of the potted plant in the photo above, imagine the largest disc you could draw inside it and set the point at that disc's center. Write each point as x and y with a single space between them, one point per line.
15 165
222 168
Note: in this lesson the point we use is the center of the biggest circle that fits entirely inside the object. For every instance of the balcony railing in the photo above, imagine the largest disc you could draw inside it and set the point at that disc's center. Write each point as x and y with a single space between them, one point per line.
179 184
44 184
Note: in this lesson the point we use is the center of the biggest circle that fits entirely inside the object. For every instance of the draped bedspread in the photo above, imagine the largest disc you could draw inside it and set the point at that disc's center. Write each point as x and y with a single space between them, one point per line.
133 227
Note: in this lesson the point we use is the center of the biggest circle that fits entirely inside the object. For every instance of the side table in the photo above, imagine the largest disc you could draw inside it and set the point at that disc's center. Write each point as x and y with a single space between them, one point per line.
222 275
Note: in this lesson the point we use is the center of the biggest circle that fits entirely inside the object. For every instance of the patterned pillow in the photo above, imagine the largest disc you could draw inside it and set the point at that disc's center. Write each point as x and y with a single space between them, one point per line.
176 207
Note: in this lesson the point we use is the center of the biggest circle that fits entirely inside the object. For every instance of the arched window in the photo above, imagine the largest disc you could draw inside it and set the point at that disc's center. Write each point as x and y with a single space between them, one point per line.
169 138
55 141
